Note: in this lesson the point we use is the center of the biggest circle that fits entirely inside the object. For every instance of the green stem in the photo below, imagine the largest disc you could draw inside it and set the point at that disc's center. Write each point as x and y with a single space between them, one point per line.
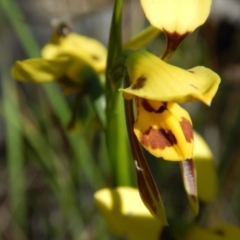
115 132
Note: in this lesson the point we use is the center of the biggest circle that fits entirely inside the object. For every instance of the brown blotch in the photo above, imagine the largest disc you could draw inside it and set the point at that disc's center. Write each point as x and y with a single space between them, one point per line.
219 232
194 198
95 57
139 83
147 106
187 129
173 41
158 138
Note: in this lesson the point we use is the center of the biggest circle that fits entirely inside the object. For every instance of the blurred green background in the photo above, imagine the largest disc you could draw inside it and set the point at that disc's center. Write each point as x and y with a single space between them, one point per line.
48 174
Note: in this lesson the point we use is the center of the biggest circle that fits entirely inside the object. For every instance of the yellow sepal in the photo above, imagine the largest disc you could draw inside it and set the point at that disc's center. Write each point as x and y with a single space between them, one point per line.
226 231
180 16
40 70
126 214
222 231
80 47
154 79
164 129
207 180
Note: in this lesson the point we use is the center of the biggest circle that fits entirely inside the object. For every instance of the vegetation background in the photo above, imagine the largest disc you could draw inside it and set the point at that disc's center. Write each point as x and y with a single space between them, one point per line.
48 174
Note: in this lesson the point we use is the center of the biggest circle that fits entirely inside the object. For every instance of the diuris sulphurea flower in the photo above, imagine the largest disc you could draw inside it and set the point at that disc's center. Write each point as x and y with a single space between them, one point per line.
163 127
176 18
70 59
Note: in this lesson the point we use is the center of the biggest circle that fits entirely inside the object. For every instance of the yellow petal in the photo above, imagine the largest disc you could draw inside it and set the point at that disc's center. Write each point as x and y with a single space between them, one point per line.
84 48
154 79
40 70
126 214
222 231
164 129
180 16
207 180
226 231
142 38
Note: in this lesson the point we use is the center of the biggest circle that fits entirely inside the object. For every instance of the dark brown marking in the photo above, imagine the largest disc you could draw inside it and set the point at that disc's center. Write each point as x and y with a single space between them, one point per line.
194 198
173 41
164 104
147 106
140 83
187 129
169 136
95 57
144 192
219 232
158 138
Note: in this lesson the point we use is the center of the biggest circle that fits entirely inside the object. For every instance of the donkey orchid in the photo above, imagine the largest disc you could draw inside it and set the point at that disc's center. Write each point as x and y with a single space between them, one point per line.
69 60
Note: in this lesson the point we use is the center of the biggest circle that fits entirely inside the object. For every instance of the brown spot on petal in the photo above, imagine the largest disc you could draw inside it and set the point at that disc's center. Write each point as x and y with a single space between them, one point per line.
95 57
147 106
139 83
219 232
194 198
187 129
158 138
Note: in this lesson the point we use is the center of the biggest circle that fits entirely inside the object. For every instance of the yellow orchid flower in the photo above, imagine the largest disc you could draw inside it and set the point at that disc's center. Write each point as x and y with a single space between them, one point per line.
162 126
69 60
176 18
126 215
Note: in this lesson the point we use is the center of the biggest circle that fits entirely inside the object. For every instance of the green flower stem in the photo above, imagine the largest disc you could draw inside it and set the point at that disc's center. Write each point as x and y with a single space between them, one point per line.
115 130
117 145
